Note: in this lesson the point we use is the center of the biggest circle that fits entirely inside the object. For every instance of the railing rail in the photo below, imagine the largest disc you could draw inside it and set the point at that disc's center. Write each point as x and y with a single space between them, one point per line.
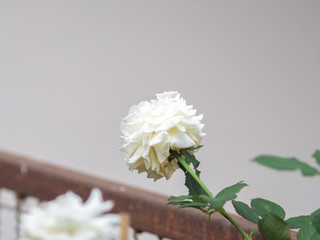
148 211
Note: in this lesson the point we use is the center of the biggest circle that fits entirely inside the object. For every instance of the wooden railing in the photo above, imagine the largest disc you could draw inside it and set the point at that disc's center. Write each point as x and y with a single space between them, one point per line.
148 212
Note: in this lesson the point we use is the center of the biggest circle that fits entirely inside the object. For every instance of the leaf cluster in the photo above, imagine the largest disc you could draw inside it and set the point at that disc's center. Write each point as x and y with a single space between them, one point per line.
309 225
197 197
206 203
270 216
270 219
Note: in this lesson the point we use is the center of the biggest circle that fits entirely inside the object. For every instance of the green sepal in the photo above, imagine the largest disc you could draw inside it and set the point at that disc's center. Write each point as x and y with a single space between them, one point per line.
190 158
194 148
262 207
272 227
245 211
193 186
226 194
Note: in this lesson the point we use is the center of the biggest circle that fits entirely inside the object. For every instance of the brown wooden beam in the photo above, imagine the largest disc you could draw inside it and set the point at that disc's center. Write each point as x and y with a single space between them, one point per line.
148 211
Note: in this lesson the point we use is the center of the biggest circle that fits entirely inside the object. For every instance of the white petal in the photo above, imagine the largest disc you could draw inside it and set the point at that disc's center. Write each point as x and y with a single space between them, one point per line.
158 138
181 128
95 203
162 150
136 155
168 124
166 95
181 140
153 160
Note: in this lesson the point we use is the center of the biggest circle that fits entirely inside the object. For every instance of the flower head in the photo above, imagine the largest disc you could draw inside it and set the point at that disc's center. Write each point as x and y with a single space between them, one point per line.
68 218
153 128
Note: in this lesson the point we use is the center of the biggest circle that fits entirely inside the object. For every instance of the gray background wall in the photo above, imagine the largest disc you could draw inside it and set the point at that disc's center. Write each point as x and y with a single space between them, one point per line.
70 70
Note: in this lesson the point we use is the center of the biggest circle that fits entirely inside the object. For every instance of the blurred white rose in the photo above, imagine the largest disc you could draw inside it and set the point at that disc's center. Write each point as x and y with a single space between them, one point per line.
68 218
153 128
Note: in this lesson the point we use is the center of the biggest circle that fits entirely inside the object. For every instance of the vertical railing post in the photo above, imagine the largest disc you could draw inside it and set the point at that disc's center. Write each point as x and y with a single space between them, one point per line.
19 201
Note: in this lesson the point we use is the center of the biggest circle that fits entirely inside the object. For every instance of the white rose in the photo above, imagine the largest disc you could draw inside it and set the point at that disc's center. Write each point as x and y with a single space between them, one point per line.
68 218
153 128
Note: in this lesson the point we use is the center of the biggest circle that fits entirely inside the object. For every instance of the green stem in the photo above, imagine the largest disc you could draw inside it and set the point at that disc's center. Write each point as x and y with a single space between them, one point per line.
193 174
222 211
234 223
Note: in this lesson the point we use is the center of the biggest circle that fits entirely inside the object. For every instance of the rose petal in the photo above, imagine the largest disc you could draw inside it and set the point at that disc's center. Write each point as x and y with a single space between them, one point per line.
158 138
181 140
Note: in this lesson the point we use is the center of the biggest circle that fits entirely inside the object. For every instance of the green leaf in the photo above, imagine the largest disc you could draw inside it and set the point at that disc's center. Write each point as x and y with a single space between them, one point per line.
316 219
262 207
281 163
194 204
315 213
192 201
316 222
272 227
177 198
297 222
308 232
316 155
190 158
179 202
245 211
194 148
193 186
226 194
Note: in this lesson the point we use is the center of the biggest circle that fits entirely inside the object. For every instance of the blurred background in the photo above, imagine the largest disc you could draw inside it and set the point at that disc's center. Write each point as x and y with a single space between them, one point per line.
70 70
